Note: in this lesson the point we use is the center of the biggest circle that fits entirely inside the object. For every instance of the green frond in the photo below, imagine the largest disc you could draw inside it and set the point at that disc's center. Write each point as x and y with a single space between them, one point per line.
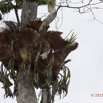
40 2
68 34
72 38
64 81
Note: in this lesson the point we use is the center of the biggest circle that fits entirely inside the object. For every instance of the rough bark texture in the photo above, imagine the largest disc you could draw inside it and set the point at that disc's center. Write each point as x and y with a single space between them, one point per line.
26 92
29 12
44 96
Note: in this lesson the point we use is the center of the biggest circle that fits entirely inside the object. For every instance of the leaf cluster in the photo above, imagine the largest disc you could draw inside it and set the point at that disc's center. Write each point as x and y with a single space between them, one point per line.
7 5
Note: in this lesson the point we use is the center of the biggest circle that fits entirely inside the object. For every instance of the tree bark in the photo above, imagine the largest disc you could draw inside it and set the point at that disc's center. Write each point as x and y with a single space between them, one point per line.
45 96
29 12
26 92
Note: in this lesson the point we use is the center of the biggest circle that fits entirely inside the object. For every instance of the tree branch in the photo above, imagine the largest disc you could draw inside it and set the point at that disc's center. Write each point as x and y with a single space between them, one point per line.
49 19
78 7
83 8
16 10
95 17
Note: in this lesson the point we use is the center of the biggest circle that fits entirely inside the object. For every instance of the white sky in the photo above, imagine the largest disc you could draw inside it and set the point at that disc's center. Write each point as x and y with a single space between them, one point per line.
86 66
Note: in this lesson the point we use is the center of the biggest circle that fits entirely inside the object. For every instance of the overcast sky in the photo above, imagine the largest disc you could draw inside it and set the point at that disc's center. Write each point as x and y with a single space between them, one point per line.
86 66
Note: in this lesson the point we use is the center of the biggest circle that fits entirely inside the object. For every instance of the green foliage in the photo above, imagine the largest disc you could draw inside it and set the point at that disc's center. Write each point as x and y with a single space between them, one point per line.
40 2
51 3
44 2
6 6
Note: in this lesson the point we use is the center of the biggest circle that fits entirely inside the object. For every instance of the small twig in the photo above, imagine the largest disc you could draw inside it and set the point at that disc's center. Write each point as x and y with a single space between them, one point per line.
85 8
78 7
59 19
95 17
16 12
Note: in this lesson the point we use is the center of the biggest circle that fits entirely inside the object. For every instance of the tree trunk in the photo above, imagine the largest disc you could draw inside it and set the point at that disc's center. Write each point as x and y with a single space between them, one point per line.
26 92
45 96
29 12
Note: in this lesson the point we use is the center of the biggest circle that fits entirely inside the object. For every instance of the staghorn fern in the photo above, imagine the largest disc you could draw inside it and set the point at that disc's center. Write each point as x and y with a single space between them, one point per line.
43 70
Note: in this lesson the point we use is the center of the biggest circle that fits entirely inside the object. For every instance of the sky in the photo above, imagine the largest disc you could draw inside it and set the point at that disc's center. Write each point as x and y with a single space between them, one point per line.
86 65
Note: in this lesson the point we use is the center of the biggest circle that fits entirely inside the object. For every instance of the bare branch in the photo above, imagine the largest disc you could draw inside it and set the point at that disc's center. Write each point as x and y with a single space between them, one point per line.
95 17
82 8
78 7
16 12
48 20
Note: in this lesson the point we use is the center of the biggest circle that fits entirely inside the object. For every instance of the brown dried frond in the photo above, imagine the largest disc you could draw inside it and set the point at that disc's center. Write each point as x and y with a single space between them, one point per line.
35 24
55 40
